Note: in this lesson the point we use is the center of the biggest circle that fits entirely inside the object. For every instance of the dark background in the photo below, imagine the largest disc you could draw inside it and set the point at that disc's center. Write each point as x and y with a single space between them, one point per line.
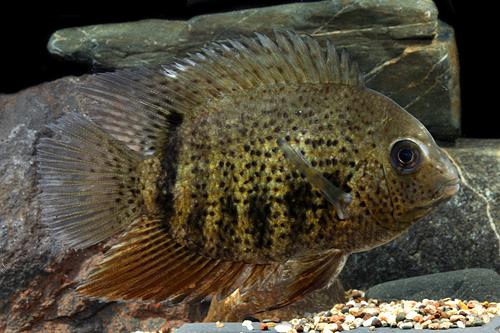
25 60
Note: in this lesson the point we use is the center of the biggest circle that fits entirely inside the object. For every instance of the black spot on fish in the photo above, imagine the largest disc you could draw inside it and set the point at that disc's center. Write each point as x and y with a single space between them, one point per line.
259 213
298 201
194 224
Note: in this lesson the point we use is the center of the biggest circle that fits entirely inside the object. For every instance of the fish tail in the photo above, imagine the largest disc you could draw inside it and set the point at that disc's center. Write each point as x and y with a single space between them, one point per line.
89 182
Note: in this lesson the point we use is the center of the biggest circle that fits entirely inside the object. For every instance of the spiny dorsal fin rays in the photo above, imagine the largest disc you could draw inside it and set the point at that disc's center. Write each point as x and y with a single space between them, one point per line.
229 66
233 65
319 60
304 58
141 106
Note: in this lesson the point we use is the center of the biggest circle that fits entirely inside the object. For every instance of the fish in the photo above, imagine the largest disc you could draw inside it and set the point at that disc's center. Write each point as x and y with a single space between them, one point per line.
245 172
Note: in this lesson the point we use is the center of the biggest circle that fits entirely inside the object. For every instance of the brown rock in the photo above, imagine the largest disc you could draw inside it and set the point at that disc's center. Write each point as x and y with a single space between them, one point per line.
336 318
37 277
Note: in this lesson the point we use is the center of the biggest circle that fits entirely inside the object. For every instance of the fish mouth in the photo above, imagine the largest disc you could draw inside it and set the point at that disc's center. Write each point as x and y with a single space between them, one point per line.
448 189
445 191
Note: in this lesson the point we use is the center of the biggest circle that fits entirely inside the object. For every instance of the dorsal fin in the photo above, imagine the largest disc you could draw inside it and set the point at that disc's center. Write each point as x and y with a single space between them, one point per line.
228 67
140 106
133 106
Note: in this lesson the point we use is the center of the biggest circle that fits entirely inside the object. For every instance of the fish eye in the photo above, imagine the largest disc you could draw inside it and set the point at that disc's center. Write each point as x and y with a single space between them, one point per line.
405 156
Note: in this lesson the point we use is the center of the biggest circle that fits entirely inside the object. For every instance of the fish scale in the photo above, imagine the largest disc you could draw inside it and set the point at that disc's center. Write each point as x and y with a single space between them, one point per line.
246 172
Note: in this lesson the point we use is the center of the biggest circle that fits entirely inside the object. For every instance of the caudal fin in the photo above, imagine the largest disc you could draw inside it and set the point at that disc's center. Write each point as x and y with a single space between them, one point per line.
88 181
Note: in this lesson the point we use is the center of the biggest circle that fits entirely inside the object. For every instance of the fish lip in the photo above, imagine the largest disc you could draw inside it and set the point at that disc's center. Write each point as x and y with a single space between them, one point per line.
446 190
451 189
444 193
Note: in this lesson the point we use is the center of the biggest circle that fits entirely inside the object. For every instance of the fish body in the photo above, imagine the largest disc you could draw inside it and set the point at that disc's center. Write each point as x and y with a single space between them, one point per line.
253 167
236 187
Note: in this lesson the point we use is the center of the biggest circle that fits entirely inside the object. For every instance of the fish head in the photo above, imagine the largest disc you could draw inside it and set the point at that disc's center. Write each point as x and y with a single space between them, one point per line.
419 174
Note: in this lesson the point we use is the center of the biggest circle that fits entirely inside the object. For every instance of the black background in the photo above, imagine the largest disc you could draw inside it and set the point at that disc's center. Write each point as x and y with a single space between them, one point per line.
25 60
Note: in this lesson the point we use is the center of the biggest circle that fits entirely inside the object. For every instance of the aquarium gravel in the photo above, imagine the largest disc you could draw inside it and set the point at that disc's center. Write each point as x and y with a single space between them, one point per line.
404 314
369 314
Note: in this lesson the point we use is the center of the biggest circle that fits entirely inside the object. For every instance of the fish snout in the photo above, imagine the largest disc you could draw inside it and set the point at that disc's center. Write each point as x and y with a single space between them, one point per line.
449 165
451 183
450 188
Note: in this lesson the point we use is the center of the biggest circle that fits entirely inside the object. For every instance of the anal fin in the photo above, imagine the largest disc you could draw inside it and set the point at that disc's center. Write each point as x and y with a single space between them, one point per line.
307 275
147 264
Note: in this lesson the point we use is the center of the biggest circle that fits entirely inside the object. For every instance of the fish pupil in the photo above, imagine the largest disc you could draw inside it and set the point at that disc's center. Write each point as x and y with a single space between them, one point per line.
405 155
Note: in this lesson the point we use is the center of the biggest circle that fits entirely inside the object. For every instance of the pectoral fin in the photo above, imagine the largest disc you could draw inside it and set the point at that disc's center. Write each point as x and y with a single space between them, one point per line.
338 198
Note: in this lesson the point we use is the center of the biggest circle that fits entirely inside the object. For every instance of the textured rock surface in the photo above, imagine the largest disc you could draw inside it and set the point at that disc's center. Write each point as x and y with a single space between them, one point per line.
153 41
404 50
466 284
462 233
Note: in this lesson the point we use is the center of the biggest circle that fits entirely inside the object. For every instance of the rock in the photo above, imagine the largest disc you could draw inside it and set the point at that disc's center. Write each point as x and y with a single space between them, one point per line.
475 283
372 321
151 42
283 328
404 50
463 232
405 325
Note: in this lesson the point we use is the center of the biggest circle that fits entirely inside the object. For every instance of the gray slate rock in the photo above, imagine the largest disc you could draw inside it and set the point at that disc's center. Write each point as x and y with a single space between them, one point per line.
461 233
151 42
405 52
467 284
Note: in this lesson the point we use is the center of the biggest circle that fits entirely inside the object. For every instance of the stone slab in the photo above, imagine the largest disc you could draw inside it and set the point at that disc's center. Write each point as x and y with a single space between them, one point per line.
405 52
466 284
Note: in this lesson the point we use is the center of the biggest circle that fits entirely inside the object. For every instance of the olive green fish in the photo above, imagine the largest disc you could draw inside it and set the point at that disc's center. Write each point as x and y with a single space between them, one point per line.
252 167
